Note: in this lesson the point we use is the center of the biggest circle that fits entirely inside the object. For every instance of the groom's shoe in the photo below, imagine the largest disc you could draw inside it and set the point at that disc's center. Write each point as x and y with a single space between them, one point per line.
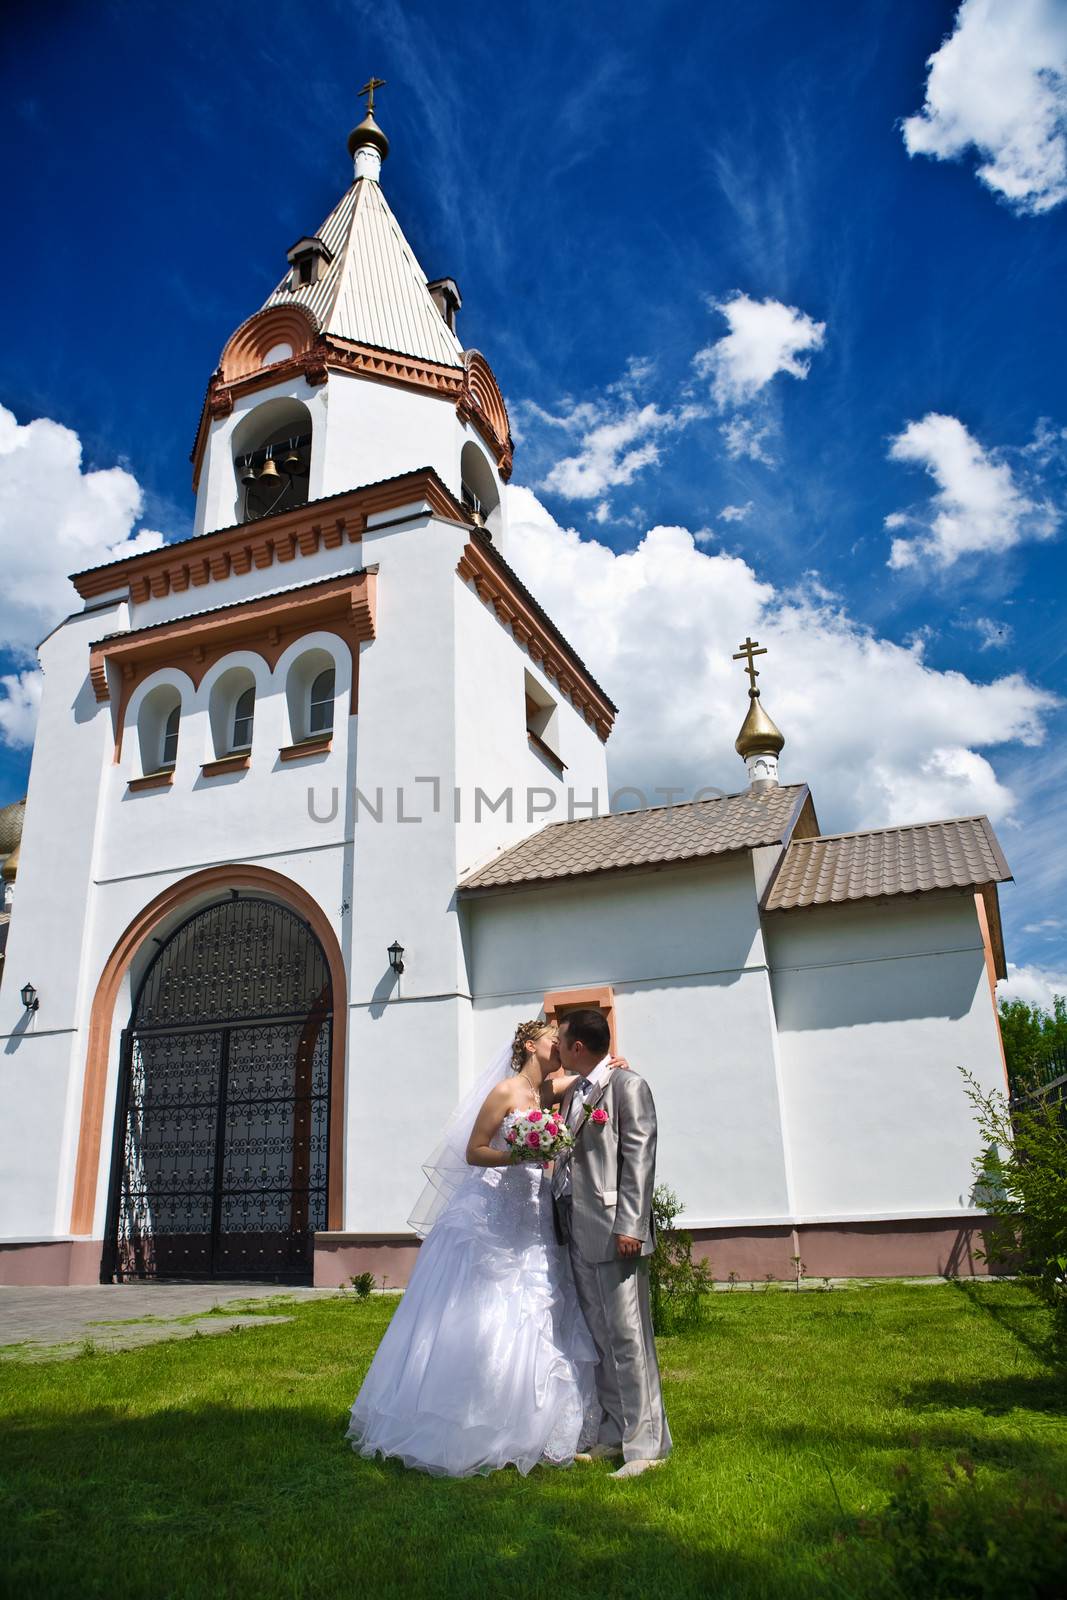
634 1469
600 1452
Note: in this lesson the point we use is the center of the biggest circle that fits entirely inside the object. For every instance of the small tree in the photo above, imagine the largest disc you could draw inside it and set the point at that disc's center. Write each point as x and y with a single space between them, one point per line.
1031 1035
676 1281
1022 1174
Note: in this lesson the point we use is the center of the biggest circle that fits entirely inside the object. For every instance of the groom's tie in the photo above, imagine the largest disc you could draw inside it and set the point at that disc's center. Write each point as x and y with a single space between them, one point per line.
573 1119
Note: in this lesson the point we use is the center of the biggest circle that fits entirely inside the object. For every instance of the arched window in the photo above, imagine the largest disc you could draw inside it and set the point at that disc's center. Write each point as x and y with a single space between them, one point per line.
310 690
243 713
170 737
157 728
272 458
320 719
479 489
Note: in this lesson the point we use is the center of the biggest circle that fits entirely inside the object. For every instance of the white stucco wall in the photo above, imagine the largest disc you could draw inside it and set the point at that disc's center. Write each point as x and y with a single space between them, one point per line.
493 752
878 1004
363 431
683 952
46 944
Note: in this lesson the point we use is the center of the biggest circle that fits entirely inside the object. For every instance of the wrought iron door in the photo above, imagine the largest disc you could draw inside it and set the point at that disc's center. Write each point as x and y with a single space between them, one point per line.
222 1122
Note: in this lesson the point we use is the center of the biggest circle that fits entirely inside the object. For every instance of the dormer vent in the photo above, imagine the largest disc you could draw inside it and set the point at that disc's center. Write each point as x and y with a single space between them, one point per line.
447 299
310 258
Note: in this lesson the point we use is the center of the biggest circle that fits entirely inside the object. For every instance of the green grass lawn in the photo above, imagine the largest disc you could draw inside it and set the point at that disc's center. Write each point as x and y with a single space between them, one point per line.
218 1466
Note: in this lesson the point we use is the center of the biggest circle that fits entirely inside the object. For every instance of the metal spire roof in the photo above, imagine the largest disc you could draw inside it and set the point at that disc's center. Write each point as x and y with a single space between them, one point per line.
373 291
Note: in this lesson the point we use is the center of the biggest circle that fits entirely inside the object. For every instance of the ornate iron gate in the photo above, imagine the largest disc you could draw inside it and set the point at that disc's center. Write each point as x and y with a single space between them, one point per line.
222 1121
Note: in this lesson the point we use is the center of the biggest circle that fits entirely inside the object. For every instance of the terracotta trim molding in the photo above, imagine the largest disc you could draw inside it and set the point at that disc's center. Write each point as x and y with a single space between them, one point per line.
981 906
477 567
345 606
556 1004
263 880
293 325
320 745
472 388
237 761
321 524
482 403
152 780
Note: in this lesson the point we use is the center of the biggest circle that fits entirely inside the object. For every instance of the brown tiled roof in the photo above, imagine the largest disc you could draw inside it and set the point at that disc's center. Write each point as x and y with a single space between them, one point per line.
629 839
962 853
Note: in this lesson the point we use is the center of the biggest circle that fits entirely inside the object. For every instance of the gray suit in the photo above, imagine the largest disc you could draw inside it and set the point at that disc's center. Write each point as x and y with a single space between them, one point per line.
612 1174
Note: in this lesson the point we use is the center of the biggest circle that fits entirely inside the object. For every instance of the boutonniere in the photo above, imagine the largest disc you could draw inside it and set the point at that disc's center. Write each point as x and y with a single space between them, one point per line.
598 1116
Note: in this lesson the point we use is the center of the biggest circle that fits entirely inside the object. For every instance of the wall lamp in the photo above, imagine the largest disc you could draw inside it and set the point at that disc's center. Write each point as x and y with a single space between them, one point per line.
396 957
29 997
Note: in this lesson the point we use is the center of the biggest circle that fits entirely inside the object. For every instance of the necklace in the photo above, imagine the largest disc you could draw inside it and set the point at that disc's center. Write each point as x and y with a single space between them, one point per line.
529 1085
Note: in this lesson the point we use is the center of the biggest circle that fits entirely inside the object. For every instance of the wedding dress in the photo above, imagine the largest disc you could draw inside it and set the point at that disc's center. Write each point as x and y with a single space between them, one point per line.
487 1361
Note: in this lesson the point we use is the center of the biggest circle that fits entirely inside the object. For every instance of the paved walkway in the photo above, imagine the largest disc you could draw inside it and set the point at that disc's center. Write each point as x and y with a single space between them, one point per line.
46 1323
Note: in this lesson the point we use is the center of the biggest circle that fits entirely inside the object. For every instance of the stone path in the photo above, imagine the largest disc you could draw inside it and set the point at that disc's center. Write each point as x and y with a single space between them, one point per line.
52 1323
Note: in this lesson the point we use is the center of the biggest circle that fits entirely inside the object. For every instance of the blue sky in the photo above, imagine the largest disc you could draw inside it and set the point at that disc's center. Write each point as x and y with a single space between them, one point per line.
614 188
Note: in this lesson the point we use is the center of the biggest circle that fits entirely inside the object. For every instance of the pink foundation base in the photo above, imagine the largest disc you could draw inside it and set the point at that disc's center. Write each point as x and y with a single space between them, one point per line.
917 1248
341 1256
56 1261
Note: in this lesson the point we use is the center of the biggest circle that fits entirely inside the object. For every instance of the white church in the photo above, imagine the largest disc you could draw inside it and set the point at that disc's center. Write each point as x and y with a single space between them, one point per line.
312 823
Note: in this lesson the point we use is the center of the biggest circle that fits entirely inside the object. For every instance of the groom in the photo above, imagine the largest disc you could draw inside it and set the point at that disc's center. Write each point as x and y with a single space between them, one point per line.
603 1201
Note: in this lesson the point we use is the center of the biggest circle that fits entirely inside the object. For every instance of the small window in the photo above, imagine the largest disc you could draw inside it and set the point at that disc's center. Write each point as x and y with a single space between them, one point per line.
321 717
170 738
243 714
304 269
542 723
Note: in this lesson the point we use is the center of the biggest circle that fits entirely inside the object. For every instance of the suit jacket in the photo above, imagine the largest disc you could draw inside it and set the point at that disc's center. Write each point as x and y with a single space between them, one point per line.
613 1170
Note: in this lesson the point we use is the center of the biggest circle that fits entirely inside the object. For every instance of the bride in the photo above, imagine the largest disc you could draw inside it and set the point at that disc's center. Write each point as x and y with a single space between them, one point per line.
487 1360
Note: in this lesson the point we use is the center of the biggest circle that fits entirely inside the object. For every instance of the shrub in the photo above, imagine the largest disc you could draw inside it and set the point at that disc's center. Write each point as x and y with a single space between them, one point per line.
676 1281
362 1284
1022 1173
954 1536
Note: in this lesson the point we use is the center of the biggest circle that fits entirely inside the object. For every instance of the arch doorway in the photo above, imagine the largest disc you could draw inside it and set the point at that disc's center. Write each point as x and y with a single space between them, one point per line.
222 1116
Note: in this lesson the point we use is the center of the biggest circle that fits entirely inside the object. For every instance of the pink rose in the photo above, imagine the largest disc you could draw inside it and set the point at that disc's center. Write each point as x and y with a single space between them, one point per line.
509 1138
534 1141
599 1116
552 1128
535 1116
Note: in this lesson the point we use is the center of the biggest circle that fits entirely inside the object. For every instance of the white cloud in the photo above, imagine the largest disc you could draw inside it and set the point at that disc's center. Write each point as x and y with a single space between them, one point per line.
979 505
20 701
880 736
765 338
736 513
54 519
745 437
616 440
1036 985
992 635
999 84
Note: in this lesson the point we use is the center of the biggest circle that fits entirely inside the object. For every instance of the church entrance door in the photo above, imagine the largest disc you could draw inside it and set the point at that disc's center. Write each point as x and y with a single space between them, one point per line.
222 1119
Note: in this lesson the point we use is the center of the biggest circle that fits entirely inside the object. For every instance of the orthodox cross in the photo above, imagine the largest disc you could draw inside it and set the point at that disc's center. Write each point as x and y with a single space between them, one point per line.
750 648
368 89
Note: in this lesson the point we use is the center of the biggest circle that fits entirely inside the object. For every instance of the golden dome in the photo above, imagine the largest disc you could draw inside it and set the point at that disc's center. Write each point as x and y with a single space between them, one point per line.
11 817
11 866
758 735
368 132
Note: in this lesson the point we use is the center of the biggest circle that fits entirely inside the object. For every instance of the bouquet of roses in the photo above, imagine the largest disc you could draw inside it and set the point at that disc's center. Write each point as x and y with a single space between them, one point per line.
536 1135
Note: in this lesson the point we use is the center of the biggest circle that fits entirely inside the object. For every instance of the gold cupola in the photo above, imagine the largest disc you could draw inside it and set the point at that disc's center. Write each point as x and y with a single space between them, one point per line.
760 741
367 144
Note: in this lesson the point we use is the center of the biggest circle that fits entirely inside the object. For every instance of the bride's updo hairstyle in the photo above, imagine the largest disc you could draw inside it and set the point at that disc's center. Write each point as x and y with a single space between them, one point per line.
526 1033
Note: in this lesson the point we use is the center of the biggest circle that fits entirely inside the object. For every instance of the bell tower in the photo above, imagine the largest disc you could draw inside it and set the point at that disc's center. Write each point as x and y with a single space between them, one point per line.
351 372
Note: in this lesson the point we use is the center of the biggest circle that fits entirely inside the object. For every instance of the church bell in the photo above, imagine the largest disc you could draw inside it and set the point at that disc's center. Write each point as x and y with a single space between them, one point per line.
268 472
